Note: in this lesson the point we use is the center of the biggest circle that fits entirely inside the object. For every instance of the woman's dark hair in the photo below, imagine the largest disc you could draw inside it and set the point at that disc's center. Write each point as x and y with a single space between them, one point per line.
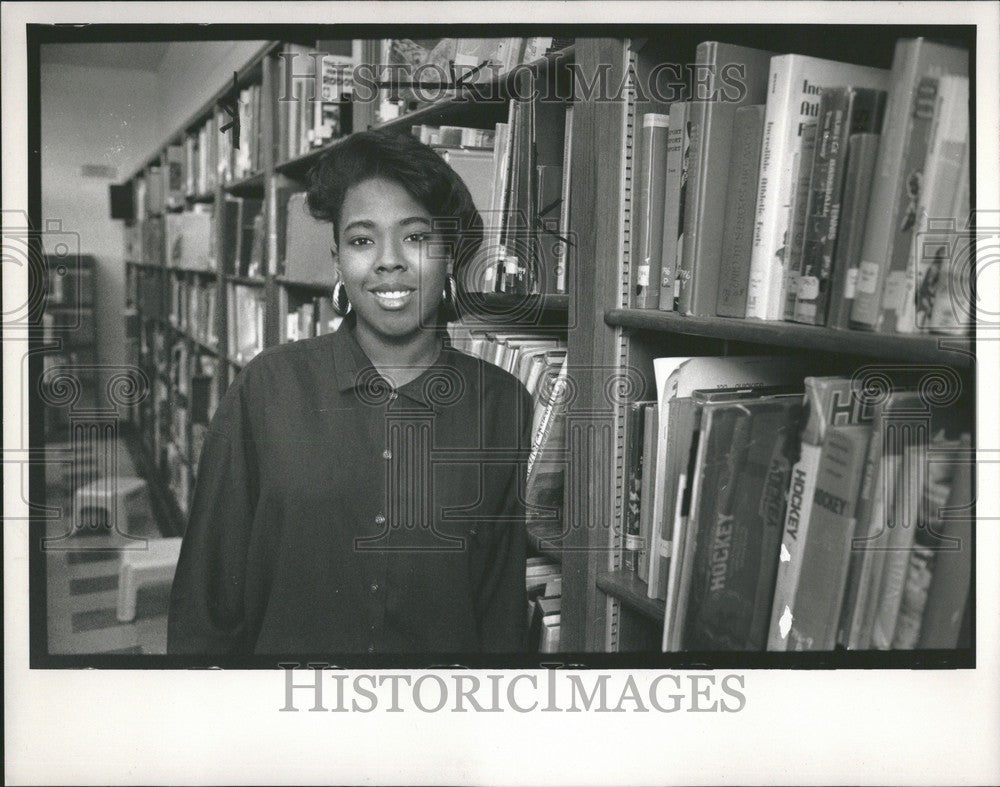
404 159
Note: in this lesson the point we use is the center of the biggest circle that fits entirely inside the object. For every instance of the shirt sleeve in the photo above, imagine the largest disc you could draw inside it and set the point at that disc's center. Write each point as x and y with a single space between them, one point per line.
502 602
207 614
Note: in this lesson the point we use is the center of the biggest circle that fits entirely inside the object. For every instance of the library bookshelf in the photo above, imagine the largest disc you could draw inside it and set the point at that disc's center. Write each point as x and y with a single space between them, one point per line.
611 346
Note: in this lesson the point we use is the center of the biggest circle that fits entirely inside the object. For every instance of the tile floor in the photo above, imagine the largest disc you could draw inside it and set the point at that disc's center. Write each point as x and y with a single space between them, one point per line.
82 573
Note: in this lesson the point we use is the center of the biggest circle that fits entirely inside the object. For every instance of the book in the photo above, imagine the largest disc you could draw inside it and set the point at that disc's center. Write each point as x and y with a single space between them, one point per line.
953 307
843 112
795 83
677 134
650 433
711 114
916 65
750 448
737 233
831 402
564 228
874 509
308 245
862 150
649 184
815 610
634 427
907 503
546 462
948 595
908 306
928 540
801 178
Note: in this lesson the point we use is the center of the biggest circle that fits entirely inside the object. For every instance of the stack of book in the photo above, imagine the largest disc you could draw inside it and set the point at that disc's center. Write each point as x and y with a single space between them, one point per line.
543 579
309 316
841 190
769 519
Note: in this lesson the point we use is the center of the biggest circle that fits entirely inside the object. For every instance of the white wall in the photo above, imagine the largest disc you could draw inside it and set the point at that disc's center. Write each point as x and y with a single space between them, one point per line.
92 115
192 72
118 116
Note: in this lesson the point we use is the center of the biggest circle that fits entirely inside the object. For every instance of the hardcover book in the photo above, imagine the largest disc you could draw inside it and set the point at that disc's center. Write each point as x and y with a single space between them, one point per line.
908 307
737 233
862 150
678 140
711 114
751 447
650 188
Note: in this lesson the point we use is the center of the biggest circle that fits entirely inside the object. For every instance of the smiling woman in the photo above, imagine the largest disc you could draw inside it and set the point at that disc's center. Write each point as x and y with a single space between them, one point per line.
363 490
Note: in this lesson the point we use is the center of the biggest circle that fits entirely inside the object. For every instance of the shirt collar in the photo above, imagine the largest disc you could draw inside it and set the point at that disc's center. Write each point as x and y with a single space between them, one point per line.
354 370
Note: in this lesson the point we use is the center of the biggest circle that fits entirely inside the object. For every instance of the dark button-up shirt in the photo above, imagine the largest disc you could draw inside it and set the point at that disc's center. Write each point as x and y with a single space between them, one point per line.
335 513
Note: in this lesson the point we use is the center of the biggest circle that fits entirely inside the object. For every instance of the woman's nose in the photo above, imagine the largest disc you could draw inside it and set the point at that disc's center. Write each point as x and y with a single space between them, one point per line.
391 257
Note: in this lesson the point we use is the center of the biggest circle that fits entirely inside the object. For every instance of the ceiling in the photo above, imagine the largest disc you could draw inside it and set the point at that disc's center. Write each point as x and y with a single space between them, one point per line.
138 56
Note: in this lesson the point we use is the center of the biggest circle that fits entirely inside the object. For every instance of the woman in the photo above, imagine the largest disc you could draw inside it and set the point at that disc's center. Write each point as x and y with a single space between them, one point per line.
362 491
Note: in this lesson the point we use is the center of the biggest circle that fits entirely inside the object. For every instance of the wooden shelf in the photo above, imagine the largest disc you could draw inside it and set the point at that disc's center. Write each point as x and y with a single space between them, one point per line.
631 591
547 310
249 281
545 538
209 272
303 285
251 184
955 351
452 110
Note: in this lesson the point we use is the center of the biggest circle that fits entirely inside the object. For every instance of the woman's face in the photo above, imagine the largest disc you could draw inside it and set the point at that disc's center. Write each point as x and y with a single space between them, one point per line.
386 261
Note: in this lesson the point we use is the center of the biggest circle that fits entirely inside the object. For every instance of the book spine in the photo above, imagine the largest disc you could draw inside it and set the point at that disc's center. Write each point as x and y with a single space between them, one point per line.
862 152
633 438
823 208
899 270
689 206
766 272
952 311
564 229
737 238
949 589
728 438
648 243
936 224
801 180
817 602
649 439
886 186
907 502
672 204
802 485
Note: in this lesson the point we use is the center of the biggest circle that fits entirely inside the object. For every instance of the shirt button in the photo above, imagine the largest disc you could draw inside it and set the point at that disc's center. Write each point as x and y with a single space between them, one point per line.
387 454
393 396
380 519
373 588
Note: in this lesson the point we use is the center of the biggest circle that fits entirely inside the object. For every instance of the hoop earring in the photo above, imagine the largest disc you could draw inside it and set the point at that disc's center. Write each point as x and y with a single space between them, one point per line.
449 299
341 303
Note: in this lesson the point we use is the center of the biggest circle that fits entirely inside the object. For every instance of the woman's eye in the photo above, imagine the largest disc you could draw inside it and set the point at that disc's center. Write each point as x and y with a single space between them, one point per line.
360 241
418 237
